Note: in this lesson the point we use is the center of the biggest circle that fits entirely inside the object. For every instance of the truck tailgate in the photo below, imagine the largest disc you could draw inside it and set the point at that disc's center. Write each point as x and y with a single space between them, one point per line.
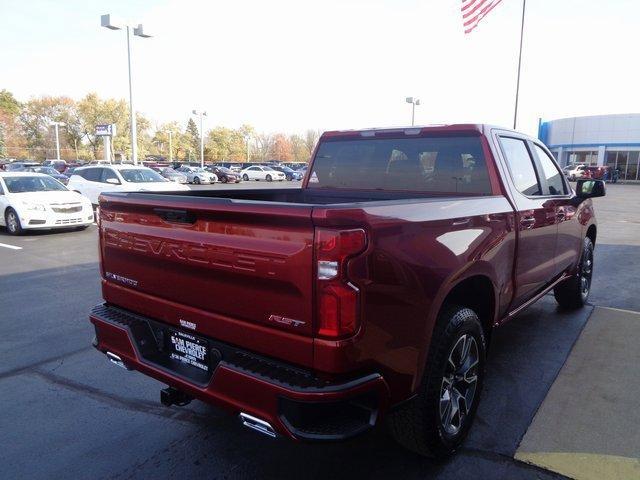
233 265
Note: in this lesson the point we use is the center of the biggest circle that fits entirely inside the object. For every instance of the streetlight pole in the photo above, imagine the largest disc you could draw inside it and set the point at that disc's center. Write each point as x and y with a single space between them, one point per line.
413 101
201 114
170 149
107 22
56 125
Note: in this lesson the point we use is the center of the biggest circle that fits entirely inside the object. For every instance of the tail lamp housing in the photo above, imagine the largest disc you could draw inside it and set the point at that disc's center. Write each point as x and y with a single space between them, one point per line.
337 298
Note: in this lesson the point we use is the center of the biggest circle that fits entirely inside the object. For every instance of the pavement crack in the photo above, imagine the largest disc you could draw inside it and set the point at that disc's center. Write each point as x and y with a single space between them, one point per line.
19 370
123 403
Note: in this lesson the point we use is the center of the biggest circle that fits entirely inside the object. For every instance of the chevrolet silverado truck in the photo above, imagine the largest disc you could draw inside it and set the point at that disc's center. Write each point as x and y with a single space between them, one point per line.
369 294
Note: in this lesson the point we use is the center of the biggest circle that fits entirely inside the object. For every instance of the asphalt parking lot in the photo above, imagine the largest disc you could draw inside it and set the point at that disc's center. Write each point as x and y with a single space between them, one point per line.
65 412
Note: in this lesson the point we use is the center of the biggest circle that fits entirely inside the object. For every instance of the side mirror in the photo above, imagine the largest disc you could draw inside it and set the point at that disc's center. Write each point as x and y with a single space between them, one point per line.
113 181
586 188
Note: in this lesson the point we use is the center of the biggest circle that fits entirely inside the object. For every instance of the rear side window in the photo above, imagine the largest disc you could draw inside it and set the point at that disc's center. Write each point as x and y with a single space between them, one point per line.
521 165
91 174
555 183
422 164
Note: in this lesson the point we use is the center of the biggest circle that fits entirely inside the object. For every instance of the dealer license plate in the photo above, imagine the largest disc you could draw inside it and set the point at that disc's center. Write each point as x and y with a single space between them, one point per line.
189 349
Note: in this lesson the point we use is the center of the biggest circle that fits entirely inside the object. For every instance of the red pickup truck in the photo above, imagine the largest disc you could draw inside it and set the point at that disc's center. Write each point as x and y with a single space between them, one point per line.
370 293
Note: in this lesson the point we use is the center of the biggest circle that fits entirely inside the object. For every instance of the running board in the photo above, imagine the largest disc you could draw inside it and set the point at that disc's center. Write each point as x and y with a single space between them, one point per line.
513 313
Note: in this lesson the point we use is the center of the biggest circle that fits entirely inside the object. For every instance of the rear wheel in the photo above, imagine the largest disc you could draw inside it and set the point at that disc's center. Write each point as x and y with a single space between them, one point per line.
574 292
12 221
268 178
437 420
196 180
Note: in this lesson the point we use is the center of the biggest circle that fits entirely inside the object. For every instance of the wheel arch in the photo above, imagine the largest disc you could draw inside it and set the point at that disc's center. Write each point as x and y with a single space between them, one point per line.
476 291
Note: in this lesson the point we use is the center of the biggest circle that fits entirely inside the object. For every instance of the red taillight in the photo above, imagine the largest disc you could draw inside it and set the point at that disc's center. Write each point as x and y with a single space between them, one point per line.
337 297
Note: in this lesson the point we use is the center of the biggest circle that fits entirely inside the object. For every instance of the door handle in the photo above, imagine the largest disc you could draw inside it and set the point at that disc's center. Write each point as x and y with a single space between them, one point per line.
527 222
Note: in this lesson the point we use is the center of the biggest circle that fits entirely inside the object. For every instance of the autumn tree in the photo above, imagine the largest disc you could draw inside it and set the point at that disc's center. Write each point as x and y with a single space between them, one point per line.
11 141
36 117
282 149
299 149
94 111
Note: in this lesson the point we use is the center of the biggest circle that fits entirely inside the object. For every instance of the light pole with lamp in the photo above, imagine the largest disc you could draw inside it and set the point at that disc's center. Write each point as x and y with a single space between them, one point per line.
201 114
413 101
107 22
56 125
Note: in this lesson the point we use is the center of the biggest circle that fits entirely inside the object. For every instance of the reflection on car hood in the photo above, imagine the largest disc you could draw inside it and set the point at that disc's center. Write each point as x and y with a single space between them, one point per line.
48 197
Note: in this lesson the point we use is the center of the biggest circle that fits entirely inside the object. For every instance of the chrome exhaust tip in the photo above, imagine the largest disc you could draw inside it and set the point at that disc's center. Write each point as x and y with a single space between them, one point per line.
116 360
256 424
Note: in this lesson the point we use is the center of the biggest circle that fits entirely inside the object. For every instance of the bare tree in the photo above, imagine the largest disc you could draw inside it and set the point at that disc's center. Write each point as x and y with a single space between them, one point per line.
264 145
310 139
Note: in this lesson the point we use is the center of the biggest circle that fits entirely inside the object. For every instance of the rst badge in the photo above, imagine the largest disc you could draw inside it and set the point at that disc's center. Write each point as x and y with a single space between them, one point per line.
121 279
291 322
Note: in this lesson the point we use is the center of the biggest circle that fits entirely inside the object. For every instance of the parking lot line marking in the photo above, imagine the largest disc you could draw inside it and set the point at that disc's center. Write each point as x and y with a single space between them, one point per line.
12 247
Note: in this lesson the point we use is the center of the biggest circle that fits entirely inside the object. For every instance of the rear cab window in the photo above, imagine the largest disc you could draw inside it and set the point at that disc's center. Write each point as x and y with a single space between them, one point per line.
446 164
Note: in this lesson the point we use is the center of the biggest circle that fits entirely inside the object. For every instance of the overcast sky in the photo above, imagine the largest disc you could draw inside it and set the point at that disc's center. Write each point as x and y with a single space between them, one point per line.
291 65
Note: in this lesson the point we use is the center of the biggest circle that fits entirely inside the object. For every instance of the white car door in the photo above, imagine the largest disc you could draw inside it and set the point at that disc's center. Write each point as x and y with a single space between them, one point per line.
84 182
4 201
257 173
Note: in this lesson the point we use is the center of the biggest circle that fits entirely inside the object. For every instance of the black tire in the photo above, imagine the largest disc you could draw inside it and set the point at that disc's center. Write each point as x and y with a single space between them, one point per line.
574 292
196 180
12 222
419 424
245 177
268 178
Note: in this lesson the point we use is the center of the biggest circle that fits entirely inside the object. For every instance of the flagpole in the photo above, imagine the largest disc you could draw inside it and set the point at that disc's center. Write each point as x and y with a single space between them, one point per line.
515 113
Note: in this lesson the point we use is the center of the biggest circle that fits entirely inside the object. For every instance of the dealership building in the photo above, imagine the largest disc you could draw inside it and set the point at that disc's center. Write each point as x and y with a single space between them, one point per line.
612 140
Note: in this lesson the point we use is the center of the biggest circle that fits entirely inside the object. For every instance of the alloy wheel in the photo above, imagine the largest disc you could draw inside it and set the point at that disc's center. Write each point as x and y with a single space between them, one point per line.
459 384
586 272
12 222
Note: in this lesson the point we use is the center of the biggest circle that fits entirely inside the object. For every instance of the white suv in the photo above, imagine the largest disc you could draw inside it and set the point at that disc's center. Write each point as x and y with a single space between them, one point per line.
91 181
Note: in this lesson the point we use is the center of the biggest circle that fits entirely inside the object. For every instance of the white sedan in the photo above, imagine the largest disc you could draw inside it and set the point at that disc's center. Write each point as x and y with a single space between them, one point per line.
198 175
259 172
35 200
93 180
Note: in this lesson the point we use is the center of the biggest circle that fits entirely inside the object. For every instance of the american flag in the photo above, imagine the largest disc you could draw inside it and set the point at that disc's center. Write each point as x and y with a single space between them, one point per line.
475 10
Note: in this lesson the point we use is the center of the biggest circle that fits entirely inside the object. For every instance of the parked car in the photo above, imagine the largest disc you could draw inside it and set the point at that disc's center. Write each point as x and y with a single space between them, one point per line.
172 175
260 172
37 201
225 175
20 166
91 181
574 171
289 173
597 172
370 293
52 172
197 175
59 165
